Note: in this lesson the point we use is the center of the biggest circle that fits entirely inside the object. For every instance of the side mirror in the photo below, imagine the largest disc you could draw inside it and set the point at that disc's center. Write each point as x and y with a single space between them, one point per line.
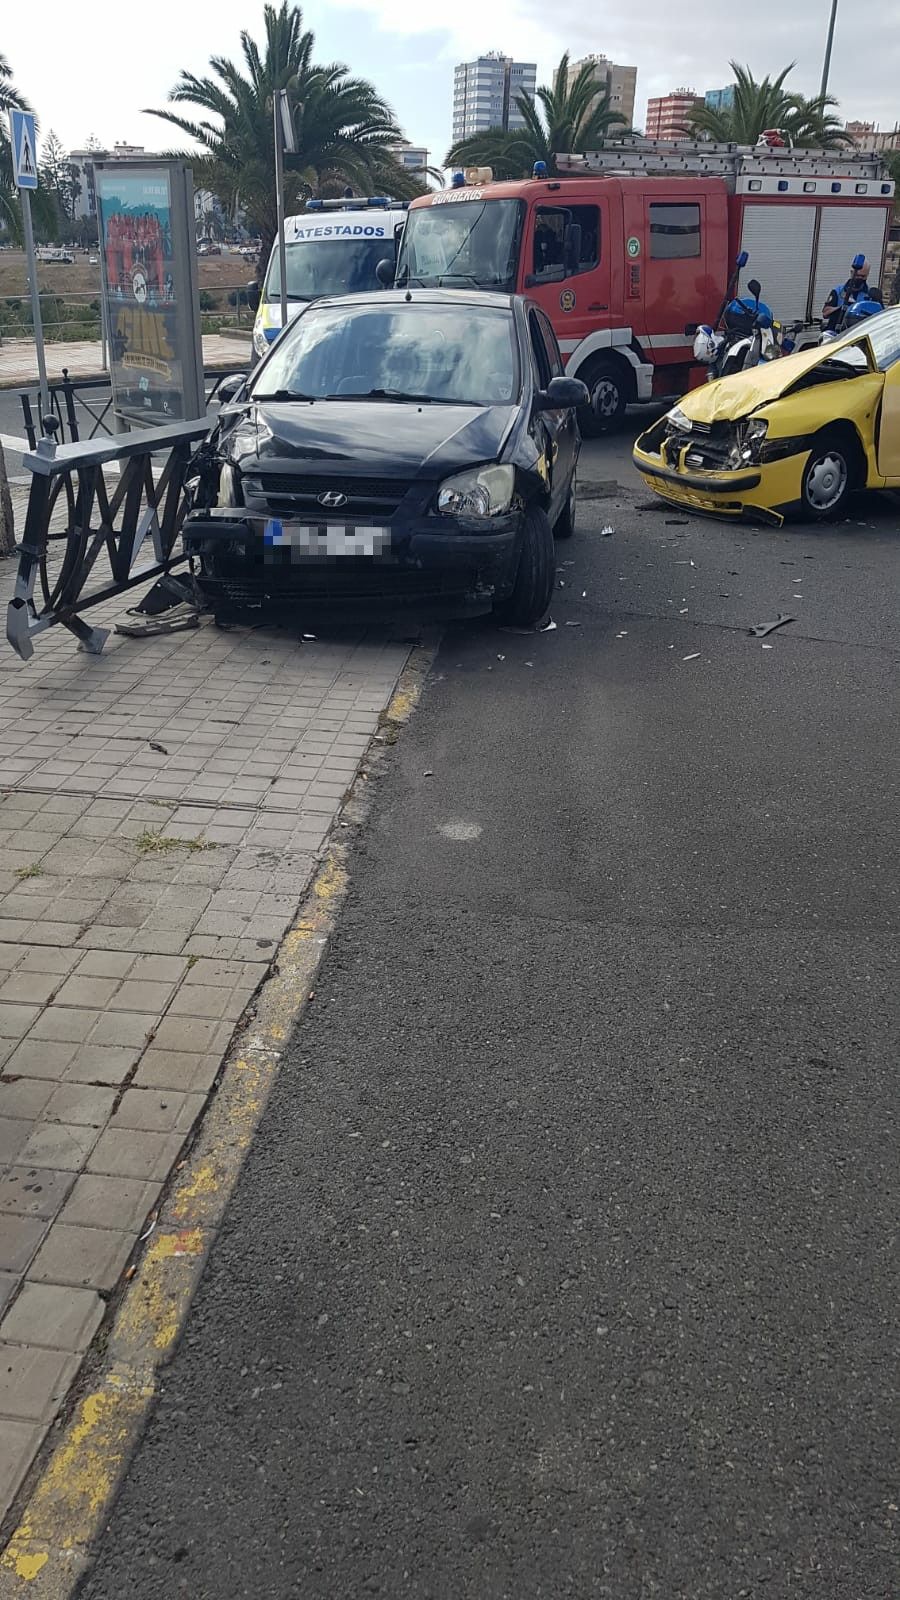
572 246
230 388
562 394
253 295
755 288
384 272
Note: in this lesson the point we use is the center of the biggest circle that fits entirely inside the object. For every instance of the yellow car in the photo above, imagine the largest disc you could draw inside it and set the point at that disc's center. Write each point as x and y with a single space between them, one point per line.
797 435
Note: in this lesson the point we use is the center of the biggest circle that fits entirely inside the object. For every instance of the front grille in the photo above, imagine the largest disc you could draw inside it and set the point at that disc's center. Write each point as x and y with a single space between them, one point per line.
710 452
289 492
289 585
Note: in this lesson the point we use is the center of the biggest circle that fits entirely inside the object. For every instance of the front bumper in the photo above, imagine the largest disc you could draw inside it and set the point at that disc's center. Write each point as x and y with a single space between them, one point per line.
763 491
464 566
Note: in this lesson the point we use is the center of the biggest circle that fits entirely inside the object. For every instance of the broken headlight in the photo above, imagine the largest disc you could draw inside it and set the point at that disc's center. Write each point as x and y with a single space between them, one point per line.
755 435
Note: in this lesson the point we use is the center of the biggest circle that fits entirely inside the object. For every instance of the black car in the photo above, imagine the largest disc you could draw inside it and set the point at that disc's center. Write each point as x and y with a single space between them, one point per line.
392 447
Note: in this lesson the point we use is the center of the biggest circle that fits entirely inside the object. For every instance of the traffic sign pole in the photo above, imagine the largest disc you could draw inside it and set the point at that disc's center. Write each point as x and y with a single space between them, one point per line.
31 258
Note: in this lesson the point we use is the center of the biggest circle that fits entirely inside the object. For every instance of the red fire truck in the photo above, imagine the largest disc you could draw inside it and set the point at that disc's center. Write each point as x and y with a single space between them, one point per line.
631 248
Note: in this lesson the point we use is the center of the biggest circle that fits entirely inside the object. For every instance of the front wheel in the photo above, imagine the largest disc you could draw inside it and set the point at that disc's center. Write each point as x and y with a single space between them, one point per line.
535 574
827 480
607 387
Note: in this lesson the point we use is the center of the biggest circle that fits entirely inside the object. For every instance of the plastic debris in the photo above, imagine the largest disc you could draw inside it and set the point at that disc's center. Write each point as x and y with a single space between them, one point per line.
768 647
309 637
159 748
683 612
607 532
763 628
694 657
549 626
573 624
149 1228
501 658
623 634
561 583
428 773
584 594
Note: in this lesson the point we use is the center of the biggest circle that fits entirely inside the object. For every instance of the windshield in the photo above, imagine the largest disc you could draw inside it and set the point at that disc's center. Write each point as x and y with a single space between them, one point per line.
883 334
407 351
470 242
321 267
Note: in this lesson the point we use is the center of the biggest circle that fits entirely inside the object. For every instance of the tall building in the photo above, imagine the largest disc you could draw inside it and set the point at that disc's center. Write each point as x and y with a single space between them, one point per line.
720 99
413 157
668 114
82 164
619 82
485 92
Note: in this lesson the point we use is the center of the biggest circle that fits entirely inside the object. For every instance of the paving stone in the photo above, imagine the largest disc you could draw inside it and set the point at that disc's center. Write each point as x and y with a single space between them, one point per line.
104 1064
104 964
34 1191
93 992
49 1316
25 1098
19 1444
19 1239
10 956
135 1153
15 1021
193 1034
101 1201
65 1024
80 1104
86 1257
34 1383
190 1071
59 1145
137 995
31 988
124 1028
41 1058
214 1001
49 959
9 1282
14 1136
158 1111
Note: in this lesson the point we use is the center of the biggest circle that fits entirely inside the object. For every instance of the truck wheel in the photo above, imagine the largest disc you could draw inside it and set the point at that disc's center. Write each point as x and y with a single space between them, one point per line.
607 386
829 478
534 576
565 525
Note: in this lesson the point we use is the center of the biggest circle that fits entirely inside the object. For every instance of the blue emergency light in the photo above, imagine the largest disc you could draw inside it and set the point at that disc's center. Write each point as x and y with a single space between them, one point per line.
539 170
375 202
458 181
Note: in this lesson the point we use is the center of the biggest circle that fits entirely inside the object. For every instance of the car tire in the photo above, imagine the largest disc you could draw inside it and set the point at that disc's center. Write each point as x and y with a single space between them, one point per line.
829 478
565 524
609 395
535 574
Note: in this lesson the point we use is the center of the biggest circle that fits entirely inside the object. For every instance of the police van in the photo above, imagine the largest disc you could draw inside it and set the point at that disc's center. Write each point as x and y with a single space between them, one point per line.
333 248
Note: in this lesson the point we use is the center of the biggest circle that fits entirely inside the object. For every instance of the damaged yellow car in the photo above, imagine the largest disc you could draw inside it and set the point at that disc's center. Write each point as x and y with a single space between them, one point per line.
797 436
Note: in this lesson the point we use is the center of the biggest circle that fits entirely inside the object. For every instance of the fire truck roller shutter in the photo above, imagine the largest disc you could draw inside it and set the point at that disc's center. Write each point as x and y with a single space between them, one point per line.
779 241
847 231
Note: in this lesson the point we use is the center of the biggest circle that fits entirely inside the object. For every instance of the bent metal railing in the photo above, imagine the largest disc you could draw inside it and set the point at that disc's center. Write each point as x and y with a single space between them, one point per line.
101 548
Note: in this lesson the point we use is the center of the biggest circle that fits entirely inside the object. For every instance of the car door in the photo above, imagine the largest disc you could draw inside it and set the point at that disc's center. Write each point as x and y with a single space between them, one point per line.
547 426
568 439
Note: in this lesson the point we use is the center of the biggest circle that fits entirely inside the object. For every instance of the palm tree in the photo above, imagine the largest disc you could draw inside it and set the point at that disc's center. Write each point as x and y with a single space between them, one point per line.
767 103
572 118
343 129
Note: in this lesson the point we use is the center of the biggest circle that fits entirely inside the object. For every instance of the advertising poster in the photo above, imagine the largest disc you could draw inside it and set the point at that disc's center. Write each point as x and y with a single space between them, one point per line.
151 315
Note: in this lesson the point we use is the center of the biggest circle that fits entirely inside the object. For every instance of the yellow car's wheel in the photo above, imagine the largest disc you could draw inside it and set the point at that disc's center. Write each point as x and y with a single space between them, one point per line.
830 477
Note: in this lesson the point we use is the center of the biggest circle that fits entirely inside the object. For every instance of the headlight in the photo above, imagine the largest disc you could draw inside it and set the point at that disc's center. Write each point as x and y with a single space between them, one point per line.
260 342
679 420
483 492
754 438
229 486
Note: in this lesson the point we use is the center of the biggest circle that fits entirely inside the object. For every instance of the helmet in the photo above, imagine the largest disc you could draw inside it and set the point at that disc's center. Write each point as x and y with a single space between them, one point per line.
863 308
706 346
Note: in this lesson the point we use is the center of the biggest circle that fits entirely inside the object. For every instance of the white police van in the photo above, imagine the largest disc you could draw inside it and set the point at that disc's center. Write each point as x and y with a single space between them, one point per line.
333 248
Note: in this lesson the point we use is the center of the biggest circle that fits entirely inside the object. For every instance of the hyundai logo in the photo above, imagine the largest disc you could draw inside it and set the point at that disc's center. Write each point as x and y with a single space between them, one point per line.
333 499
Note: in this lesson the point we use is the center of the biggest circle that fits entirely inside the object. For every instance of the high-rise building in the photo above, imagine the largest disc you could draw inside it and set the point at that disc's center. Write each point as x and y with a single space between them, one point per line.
720 99
668 115
485 93
412 157
82 164
619 82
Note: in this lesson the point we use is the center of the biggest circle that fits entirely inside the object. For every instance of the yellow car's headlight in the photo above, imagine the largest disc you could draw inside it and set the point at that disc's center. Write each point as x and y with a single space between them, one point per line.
755 435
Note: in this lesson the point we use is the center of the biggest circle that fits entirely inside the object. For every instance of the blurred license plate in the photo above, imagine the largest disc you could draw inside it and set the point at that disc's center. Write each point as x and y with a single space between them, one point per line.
326 540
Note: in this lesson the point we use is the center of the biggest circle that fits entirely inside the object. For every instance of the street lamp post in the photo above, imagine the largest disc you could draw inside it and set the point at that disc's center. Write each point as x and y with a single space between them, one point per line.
826 68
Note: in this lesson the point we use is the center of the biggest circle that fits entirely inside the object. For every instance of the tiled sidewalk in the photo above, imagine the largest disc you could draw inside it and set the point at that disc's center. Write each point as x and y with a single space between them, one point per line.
161 810
83 358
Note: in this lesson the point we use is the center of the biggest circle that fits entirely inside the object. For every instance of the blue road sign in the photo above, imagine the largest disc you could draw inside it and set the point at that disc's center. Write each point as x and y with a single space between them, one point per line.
24 149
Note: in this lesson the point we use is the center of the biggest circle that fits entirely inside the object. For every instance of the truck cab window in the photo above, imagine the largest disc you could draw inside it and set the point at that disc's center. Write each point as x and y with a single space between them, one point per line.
550 222
674 232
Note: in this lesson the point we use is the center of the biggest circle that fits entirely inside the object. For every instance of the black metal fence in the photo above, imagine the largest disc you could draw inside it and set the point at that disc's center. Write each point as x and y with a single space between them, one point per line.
83 407
115 533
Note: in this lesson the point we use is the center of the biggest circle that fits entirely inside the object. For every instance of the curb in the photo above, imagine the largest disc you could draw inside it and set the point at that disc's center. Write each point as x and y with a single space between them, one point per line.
73 1492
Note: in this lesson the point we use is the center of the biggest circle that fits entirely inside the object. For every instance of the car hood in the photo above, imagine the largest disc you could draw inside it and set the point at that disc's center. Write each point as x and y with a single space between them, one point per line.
728 399
387 437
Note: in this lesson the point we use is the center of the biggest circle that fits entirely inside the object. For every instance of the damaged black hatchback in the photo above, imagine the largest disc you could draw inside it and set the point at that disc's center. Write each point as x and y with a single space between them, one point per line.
392 447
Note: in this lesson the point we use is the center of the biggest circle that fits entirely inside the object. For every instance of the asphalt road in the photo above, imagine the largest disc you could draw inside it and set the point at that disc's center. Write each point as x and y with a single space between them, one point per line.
565 1261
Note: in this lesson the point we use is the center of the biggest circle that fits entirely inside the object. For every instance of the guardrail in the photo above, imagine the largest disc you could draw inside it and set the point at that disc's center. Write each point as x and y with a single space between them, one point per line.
106 523
85 404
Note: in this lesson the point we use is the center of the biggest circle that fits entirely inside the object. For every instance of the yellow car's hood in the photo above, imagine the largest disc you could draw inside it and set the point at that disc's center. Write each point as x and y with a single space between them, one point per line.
730 398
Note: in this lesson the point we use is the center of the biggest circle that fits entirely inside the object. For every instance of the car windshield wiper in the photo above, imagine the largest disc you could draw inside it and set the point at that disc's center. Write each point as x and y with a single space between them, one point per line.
275 299
397 394
286 394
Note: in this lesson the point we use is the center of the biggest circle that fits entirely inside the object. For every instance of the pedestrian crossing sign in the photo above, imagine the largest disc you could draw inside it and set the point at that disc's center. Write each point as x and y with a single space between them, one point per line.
24 149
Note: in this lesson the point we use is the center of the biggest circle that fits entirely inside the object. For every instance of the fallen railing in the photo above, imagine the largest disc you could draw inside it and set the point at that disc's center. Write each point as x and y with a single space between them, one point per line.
117 533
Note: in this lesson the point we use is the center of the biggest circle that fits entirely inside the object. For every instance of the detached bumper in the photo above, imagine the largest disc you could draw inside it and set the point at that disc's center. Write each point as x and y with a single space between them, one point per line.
419 562
761 493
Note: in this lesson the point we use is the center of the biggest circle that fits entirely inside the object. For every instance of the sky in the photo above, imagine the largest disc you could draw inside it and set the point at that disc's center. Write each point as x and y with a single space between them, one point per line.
108 61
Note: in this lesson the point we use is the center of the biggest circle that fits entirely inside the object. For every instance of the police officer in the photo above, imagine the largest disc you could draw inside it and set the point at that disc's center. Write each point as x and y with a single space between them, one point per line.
856 288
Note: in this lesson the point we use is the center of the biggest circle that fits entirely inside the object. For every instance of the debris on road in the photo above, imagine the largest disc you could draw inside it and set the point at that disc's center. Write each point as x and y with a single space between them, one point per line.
573 624
549 626
677 522
607 532
763 628
694 657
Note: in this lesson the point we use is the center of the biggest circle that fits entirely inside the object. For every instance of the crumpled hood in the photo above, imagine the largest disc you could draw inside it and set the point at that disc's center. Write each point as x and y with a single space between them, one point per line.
730 398
384 437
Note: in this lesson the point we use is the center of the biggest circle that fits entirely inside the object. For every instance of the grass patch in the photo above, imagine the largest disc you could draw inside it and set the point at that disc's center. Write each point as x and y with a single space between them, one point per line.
34 871
149 842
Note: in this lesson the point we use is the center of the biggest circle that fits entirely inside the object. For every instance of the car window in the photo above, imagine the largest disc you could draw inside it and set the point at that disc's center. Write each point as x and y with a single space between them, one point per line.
557 368
548 250
674 232
883 333
539 351
454 352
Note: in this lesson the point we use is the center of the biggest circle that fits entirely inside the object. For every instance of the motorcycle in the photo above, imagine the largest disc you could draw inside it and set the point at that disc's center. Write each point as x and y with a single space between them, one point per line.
744 335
